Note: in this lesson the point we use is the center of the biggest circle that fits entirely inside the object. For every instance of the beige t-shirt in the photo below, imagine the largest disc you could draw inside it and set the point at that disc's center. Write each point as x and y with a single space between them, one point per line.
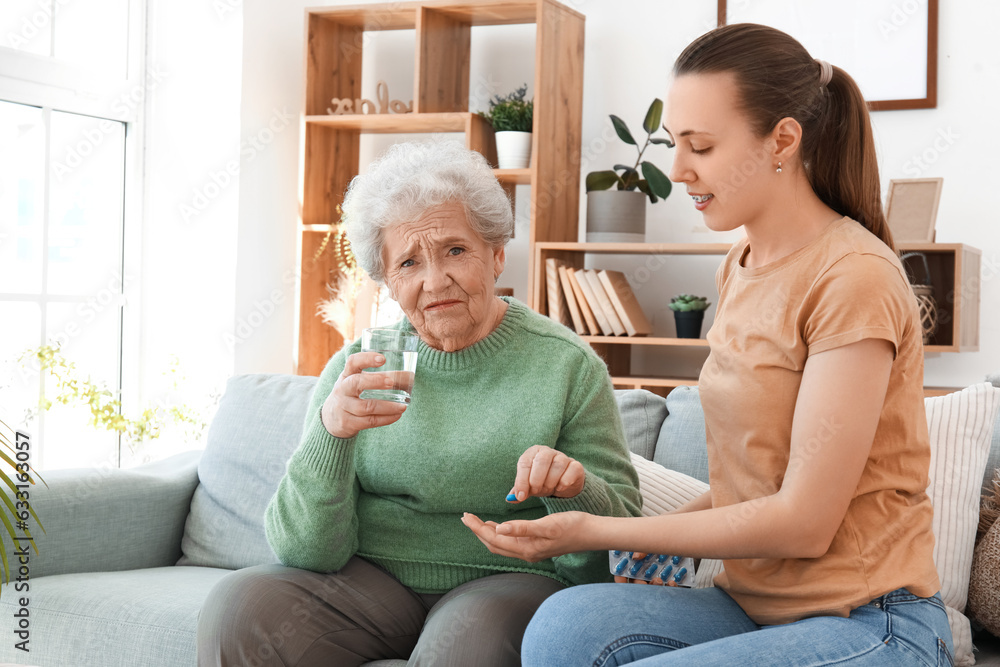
843 287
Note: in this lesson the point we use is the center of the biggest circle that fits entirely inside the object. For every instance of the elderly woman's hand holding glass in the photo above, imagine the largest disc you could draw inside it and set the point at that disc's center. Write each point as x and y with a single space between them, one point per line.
512 417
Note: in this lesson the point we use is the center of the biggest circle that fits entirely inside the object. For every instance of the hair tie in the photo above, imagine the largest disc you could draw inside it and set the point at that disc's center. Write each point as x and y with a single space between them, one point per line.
825 72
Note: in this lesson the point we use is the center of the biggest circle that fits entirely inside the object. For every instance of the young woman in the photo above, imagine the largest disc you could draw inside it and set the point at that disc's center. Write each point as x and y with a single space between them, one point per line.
817 439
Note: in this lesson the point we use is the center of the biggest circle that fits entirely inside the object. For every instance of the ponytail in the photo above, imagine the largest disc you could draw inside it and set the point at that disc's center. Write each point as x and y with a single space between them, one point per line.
842 167
777 78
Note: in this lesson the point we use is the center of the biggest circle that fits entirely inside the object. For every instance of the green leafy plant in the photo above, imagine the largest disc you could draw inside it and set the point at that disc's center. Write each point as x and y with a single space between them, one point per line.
106 408
683 303
652 181
510 113
17 501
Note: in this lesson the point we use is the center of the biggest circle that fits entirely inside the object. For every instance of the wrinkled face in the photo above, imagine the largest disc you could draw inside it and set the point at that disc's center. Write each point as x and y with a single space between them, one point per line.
726 167
442 274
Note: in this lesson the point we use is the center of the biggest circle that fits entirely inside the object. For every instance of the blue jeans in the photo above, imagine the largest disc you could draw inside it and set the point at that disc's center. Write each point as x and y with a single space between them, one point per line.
646 626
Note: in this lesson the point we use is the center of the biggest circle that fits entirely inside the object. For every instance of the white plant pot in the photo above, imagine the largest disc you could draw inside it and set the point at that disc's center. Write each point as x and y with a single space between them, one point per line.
513 149
616 216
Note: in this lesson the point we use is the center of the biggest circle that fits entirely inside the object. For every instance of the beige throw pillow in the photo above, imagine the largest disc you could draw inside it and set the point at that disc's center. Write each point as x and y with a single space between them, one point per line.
961 427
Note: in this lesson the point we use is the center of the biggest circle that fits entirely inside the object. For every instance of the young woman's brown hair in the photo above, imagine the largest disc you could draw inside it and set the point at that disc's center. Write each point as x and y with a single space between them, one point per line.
777 78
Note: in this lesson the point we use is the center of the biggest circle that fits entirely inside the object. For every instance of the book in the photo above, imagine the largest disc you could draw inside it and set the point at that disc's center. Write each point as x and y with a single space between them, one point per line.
579 325
604 327
604 303
558 309
626 305
581 300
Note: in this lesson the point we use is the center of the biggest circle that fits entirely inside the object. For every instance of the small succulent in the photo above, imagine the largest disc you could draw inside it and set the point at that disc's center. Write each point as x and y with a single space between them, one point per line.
653 182
683 303
510 113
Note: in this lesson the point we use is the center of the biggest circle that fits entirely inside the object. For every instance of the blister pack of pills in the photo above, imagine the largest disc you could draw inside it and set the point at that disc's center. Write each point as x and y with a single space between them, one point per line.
659 569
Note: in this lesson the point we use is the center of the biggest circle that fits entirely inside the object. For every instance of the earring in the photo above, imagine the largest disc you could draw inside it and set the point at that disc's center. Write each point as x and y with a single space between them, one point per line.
778 170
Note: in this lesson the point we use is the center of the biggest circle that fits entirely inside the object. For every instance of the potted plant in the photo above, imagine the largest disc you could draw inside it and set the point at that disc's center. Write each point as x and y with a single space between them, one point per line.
620 214
689 312
511 118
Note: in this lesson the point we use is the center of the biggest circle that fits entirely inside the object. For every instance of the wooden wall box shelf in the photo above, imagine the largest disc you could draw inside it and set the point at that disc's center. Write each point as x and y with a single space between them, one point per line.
955 270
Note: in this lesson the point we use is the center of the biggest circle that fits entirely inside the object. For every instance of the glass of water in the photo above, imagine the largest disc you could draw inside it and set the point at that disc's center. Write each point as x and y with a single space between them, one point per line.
400 351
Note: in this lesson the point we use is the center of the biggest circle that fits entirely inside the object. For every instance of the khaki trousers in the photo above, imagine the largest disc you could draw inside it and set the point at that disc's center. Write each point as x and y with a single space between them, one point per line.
272 615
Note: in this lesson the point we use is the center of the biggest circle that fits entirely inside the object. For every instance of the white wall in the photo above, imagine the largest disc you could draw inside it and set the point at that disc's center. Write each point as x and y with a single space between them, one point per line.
187 268
630 46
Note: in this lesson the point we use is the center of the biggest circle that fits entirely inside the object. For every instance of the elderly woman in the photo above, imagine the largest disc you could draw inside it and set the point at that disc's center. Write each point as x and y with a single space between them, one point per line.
512 417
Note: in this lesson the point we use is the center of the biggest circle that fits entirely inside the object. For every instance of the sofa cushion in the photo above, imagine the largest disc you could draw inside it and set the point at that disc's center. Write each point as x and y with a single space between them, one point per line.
256 429
139 618
642 413
681 444
961 429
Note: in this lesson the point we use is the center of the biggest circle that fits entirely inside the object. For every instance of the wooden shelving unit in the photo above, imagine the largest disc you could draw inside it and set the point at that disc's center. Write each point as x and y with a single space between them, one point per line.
334 51
954 271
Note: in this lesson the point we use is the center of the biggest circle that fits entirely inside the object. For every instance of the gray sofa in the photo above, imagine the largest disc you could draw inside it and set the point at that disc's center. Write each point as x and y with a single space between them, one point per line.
129 556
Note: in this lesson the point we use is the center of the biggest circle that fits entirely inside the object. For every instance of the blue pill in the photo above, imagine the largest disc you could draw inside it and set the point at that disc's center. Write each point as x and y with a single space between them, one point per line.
676 560
650 571
616 553
511 497
620 567
662 558
636 566
666 571
680 574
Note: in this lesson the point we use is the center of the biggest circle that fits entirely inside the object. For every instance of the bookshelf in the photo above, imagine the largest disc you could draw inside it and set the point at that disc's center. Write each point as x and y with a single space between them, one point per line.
955 275
334 49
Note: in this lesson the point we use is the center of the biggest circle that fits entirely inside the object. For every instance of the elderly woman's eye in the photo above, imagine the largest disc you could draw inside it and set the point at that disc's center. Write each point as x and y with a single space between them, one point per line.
408 263
456 251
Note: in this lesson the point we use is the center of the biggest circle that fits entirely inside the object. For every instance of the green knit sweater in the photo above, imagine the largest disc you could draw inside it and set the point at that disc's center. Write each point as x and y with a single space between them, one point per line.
395 495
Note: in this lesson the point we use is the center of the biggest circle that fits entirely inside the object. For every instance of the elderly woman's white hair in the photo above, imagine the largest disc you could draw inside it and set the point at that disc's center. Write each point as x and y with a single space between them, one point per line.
412 177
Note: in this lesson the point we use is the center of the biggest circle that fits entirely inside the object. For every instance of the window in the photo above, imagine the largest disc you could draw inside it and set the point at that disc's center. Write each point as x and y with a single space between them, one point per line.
71 83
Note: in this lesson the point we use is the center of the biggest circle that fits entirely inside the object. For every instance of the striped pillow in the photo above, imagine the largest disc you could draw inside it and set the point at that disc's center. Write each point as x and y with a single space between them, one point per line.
961 428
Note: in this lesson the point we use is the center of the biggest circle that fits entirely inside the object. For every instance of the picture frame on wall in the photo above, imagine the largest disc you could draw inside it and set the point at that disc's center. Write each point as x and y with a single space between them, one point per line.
889 47
911 210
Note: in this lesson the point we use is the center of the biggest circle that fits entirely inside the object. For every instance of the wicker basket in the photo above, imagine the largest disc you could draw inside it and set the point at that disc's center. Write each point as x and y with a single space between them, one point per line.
924 292
984 581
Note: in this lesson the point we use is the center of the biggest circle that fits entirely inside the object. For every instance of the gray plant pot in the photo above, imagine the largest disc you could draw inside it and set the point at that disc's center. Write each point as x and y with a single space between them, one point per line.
616 216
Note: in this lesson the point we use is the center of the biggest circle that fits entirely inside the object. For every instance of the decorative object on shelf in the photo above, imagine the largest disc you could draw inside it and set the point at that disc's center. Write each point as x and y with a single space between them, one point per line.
575 308
586 312
511 117
601 304
689 313
360 105
347 279
924 292
559 308
619 215
912 209
626 305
